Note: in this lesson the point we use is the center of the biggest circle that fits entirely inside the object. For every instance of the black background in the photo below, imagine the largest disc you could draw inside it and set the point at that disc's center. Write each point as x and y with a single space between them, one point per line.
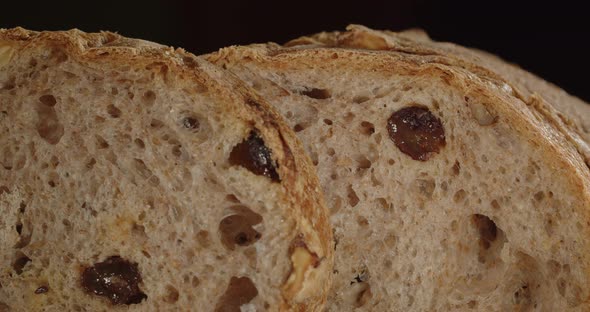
551 40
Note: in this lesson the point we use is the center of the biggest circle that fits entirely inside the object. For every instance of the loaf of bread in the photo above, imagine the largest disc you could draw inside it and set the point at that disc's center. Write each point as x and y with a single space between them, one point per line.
455 181
136 177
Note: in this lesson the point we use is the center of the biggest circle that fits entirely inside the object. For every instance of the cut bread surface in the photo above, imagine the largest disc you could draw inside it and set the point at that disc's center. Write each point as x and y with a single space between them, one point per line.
138 177
494 219
567 113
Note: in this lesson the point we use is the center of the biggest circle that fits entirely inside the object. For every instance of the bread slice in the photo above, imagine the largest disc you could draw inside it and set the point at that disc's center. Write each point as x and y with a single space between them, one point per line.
136 177
448 189
568 113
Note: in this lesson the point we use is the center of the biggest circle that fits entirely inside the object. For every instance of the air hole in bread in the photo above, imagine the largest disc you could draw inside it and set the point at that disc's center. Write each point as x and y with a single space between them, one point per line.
238 229
57 55
383 204
460 196
331 152
19 228
328 122
549 226
316 93
148 98
20 262
90 163
203 238
139 143
113 111
349 117
456 169
67 225
362 221
4 189
232 198
48 100
33 62
177 150
9 84
487 229
22 207
299 127
314 158
156 124
561 285
425 187
522 296
391 162
101 143
54 161
190 122
172 294
539 196
367 128
195 282
240 291
336 206
387 264
99 119
363 162
378 138
353 199
48 126
143 170
6 159
390 240
360 99
138 232
494 203
435 104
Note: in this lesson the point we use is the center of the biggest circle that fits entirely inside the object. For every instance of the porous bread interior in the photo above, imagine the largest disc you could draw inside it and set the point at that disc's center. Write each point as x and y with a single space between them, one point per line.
404 229
108 170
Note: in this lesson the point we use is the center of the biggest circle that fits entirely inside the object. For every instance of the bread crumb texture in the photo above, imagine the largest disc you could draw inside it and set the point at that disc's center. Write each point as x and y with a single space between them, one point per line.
446 191
117 192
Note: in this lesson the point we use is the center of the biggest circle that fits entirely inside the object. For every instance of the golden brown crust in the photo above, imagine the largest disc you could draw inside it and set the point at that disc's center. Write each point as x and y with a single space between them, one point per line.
300 190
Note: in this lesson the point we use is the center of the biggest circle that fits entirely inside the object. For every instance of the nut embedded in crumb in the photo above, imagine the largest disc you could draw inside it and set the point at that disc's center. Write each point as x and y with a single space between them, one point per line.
302 259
